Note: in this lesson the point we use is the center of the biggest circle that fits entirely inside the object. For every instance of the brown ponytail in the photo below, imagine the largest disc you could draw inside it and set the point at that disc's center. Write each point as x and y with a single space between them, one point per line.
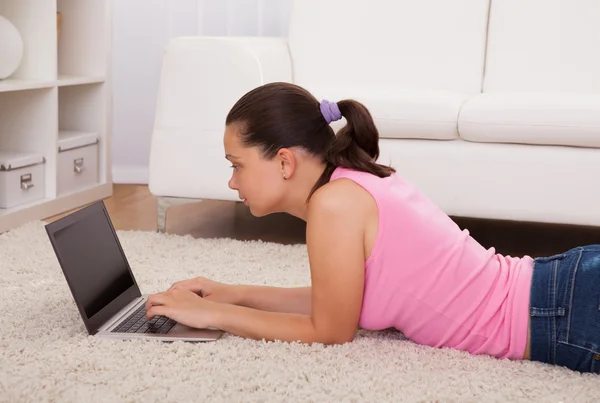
356 145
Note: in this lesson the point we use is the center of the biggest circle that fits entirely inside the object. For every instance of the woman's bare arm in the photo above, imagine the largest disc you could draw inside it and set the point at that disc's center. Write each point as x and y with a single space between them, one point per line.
274 299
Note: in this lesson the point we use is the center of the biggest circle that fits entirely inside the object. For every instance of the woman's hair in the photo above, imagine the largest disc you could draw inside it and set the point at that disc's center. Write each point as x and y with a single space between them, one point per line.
283 115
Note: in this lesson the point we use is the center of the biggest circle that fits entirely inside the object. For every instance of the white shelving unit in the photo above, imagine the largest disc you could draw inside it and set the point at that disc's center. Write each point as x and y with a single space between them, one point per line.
55 110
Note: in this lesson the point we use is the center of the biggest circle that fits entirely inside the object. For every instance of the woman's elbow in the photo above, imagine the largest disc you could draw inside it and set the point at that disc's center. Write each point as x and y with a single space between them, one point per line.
337 338
329 332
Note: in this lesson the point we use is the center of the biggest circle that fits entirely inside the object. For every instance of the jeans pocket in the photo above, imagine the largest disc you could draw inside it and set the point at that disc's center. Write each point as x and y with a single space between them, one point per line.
577 358
596 364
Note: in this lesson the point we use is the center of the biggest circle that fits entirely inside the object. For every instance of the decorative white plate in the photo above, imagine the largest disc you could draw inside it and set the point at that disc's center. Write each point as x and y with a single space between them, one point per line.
11 48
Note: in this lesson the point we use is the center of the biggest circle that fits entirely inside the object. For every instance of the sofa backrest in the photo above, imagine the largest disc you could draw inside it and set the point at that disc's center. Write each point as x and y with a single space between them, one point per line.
384 45
543 45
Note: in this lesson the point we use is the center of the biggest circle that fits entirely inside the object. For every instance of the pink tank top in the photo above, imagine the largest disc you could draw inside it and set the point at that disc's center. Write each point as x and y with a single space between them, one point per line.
433 282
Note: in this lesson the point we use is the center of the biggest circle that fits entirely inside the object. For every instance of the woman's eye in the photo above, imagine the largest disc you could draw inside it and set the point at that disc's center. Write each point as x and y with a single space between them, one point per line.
234 167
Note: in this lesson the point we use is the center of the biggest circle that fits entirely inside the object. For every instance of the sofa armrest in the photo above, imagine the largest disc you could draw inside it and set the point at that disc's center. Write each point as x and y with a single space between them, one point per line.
201 79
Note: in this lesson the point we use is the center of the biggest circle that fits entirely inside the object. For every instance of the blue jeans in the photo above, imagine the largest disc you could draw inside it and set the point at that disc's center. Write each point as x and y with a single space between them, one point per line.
565 309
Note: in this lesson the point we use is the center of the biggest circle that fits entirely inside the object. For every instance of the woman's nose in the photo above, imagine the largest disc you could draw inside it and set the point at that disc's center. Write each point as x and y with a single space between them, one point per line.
232 184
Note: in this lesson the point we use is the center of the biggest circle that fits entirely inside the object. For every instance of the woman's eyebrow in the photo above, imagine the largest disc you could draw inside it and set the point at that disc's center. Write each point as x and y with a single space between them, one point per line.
229 156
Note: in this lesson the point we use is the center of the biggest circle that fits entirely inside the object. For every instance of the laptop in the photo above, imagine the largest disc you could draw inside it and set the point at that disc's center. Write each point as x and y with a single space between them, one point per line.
102 284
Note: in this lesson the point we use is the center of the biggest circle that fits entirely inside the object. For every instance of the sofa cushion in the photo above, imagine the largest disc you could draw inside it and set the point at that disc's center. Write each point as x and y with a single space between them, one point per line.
532 118
515 182
543 45
389 44
418 114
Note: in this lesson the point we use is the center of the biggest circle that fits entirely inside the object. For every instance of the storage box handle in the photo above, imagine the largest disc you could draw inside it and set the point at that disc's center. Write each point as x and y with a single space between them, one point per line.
78 165
26 182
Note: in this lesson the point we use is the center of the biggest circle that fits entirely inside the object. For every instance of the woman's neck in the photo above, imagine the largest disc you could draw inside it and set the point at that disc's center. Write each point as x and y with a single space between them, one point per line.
303 182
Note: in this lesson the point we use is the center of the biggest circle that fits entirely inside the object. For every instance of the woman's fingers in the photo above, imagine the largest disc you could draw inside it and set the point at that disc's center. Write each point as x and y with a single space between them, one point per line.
156 304
156 299
156 310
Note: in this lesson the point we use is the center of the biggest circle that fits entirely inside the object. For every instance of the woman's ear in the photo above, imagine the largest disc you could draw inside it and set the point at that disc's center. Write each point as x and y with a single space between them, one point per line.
287 162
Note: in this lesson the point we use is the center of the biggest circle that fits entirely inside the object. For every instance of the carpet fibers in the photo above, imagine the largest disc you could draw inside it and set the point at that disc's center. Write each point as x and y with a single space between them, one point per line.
46 354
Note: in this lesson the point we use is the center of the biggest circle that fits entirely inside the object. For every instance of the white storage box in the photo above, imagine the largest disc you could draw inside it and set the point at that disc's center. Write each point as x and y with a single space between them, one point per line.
22 178
77 161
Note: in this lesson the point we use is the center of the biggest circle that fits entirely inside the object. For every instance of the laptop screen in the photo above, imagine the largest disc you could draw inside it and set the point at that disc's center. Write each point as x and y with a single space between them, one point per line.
93 263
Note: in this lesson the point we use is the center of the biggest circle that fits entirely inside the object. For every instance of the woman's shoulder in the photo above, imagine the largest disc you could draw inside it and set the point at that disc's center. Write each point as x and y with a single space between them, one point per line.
342 211
338 190
340 196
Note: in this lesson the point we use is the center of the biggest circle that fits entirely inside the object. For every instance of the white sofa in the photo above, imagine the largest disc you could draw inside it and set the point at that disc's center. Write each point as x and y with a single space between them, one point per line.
491 108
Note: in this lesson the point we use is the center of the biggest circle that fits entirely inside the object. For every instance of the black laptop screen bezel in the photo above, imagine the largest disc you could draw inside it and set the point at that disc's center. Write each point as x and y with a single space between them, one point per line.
93 323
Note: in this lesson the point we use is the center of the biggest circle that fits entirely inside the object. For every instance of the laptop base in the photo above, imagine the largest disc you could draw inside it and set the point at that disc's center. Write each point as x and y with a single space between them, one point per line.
178 333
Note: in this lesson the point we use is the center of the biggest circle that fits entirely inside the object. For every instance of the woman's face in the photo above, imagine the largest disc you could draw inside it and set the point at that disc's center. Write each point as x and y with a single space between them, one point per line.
259 182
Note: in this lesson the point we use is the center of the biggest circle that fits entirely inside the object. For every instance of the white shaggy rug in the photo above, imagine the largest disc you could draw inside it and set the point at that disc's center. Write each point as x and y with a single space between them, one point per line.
46 355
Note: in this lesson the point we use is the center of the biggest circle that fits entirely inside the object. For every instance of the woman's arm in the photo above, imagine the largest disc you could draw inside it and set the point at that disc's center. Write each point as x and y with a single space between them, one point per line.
335 242
274 299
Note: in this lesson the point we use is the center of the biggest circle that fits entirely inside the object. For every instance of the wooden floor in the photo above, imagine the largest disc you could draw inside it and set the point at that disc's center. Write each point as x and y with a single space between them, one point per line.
132 207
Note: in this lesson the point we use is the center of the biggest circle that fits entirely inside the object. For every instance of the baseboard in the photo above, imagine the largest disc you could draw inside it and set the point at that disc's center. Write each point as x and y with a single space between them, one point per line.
130 174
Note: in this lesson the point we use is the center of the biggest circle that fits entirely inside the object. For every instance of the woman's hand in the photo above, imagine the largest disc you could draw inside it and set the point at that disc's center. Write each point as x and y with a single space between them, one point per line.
209 289
183 306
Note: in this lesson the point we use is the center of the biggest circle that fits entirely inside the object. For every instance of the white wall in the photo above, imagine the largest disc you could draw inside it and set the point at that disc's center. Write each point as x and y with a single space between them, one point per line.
141 29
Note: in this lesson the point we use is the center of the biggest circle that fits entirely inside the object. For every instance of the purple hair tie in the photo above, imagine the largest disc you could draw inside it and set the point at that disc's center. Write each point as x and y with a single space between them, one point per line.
330 111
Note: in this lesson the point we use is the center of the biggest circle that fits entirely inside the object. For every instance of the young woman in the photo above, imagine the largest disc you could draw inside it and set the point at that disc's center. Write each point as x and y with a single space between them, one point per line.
381 254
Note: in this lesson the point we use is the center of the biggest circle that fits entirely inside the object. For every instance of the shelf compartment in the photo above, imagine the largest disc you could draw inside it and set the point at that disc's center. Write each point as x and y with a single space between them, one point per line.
36 22
82 111
83 41
28 122
82 108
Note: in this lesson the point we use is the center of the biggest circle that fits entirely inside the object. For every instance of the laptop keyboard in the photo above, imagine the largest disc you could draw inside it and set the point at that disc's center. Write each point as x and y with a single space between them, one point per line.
138 323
